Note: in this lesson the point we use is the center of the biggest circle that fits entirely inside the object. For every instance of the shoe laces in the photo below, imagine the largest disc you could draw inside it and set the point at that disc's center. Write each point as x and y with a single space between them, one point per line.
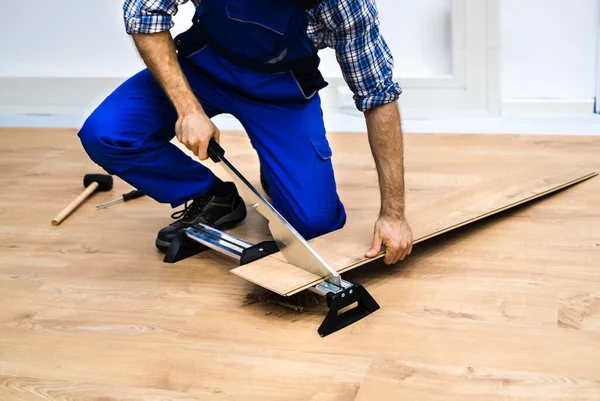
190 212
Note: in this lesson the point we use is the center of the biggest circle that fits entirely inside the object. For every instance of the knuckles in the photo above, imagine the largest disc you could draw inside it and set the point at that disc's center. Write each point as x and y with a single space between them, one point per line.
395 245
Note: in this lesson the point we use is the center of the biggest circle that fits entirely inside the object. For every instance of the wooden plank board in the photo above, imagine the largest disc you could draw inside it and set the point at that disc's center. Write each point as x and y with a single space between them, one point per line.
405 380
344 249
34 389
89 311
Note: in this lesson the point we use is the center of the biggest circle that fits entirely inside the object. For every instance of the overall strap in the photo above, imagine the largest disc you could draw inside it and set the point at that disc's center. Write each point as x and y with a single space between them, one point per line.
307 4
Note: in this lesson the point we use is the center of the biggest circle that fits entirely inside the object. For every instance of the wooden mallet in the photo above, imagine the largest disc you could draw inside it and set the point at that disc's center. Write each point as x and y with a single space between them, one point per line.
91 182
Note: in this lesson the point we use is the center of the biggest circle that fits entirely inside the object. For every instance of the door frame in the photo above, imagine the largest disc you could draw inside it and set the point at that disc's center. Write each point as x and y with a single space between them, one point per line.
597 97
472 89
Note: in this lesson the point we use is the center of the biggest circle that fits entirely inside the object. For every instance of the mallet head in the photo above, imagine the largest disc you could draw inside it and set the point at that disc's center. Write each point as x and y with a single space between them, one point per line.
105 182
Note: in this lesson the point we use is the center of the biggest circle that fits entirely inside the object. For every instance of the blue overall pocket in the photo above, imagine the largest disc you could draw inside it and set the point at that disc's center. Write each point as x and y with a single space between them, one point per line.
276 19
259 35
323 171
321 146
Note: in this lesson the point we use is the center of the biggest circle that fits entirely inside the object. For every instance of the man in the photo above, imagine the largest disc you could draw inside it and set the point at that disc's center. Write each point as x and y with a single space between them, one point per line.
256 60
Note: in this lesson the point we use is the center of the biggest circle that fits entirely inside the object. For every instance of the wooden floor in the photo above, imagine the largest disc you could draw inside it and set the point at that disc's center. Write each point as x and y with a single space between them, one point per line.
505 309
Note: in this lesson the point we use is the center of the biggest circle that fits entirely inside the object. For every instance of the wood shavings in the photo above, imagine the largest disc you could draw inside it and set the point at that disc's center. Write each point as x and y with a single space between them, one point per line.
296 303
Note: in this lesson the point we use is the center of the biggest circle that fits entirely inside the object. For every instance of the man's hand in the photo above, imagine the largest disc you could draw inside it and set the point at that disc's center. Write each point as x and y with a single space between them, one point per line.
392 230
395 235
195 131
193 128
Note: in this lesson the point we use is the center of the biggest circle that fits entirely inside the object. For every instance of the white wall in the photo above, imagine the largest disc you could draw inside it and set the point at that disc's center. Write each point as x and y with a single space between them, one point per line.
69 38
63 38
549 49
65 56
419 36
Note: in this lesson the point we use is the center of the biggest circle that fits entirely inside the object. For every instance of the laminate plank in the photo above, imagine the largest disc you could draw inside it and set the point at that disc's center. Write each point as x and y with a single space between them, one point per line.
389 380
514 303
434 338
21 301
344 249
203 369
33 389
579 310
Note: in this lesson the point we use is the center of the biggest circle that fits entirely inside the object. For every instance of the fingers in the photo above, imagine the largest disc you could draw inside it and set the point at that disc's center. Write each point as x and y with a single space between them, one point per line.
392 253
195 132
203 144
402 253
191 146
406 249
376 247
203 149
397 251
195 148
200 148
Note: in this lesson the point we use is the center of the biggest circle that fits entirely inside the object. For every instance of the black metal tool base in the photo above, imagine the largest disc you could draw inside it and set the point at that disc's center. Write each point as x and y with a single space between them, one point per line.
336 301
182 247
338 297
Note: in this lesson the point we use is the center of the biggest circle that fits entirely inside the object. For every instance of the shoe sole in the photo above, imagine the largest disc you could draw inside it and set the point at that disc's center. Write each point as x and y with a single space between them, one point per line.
228 221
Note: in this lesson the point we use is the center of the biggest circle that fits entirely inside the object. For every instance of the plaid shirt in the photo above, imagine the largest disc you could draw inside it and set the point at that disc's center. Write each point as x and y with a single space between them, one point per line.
350 27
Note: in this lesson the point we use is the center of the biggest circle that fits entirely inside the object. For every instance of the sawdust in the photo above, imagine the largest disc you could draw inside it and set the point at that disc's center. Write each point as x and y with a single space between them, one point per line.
298 303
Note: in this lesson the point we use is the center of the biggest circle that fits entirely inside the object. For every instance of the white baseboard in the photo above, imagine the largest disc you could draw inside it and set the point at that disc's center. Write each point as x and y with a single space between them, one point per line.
550 107
69 100
56 96
66 102
336 121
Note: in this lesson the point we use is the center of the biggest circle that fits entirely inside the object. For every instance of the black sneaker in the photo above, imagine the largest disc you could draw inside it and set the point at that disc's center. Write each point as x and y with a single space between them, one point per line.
221 208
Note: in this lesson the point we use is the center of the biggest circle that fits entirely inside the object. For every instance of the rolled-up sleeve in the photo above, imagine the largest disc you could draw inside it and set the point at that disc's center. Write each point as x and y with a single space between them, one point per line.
352 30
150 16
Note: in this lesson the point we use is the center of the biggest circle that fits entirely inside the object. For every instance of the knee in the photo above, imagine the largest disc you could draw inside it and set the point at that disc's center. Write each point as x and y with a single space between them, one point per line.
100 137
314 223
91 136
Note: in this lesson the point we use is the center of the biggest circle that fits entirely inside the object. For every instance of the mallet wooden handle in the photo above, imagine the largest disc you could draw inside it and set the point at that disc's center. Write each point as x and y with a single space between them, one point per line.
74 204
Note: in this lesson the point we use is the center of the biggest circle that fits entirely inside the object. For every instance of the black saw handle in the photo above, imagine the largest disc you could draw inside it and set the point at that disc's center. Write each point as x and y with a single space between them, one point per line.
215 151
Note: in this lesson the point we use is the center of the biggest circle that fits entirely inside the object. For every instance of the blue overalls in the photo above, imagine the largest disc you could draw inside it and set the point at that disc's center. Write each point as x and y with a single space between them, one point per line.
248 58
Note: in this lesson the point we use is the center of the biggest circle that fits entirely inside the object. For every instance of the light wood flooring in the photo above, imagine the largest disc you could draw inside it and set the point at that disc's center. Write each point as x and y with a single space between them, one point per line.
503 309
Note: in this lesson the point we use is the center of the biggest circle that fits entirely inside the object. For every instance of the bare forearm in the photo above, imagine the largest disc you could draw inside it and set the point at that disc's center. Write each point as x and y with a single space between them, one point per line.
159 54
385 137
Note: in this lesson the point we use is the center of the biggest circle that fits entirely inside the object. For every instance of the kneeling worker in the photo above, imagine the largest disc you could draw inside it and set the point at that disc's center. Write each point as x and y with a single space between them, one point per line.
256 60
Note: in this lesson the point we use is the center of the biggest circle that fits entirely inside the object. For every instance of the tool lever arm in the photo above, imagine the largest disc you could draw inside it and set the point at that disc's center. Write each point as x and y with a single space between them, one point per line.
295 249
215 151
